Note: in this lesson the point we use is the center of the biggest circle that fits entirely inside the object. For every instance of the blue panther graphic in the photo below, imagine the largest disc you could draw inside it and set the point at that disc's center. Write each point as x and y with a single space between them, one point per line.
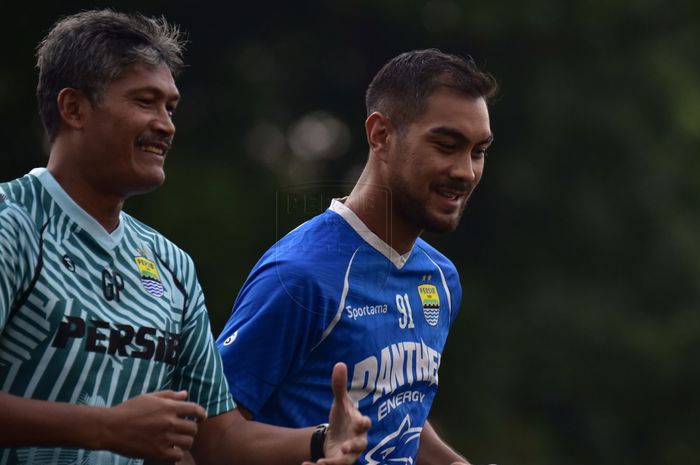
383 453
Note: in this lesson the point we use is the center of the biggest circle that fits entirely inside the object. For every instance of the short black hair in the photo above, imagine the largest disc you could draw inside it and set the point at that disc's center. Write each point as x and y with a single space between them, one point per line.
401 87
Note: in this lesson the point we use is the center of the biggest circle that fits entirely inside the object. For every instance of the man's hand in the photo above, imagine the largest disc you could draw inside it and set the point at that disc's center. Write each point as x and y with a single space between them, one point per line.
159 425
346 437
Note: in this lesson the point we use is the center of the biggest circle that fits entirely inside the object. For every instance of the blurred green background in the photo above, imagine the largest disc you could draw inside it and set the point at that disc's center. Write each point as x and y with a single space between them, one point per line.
579 335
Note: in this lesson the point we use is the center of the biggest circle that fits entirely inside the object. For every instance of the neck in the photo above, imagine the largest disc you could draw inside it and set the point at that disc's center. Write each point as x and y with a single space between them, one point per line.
75 179
371 201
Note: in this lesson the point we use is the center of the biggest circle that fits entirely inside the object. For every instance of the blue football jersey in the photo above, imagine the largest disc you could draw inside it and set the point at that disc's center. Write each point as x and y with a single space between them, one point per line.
332 291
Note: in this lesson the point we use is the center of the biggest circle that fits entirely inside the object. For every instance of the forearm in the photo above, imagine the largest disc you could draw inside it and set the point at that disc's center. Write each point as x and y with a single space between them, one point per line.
230 439
434 451
157 425
30 422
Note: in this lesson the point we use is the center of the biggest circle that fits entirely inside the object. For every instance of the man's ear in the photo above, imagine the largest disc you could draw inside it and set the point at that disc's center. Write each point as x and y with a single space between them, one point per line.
71 106
380 134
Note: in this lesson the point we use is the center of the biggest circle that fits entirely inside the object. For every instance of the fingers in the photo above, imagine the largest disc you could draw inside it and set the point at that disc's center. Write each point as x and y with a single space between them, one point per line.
339 381
161 425
182 441
354 446
184 426
363 424
170 394
175 446
173 454
183 409
191 410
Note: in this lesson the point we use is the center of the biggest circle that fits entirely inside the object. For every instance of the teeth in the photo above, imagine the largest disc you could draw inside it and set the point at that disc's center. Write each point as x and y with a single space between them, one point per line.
153 149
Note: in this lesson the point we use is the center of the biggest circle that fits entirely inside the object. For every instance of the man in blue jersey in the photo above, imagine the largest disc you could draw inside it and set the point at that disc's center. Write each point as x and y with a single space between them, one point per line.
357 283
106 352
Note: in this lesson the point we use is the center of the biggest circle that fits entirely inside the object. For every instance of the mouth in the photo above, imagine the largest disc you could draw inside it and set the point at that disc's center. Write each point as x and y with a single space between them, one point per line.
155 147
450 194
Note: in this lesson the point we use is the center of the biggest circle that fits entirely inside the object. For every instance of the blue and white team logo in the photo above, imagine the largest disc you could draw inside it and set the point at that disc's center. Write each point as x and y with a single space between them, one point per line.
431 303
392 449
150 277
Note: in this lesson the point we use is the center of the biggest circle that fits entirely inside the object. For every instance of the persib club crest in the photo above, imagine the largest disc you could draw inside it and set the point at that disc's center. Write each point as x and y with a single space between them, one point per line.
150 278
431 303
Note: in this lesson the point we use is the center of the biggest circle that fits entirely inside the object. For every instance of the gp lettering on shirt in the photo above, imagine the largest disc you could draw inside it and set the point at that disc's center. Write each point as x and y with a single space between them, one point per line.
119 339
398 364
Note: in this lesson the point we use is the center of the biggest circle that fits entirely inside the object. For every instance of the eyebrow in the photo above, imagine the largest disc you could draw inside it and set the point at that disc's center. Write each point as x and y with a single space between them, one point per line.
455 134
156 92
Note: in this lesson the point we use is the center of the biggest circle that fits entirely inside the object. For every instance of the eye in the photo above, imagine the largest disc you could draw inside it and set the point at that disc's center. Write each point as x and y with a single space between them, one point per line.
144 102
479 153
445 147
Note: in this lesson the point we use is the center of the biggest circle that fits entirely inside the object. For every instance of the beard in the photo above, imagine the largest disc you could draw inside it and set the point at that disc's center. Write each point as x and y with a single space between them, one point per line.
415 209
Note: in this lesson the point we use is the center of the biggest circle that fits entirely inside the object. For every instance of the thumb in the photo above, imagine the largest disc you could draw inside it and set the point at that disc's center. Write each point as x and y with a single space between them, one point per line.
339 381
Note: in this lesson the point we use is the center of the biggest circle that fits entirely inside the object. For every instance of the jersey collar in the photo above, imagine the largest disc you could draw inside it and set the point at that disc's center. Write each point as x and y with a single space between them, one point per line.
76 213
338 206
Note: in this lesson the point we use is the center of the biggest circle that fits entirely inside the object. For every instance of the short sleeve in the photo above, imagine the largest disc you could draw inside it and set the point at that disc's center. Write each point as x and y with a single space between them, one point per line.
199 363
276 320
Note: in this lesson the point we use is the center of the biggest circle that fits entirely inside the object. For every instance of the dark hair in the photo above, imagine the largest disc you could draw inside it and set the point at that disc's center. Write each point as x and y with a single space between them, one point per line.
401 88
88 50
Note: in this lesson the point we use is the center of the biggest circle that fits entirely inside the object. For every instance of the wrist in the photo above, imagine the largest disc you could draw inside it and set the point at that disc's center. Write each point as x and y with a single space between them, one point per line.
318 442
88 428
100 427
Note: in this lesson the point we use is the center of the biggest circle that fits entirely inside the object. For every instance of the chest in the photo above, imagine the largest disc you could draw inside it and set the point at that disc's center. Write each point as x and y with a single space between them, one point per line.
382 305
391 326
119 302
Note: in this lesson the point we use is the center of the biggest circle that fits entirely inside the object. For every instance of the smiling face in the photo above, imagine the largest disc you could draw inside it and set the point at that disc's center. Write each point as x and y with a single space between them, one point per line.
437 161
127 134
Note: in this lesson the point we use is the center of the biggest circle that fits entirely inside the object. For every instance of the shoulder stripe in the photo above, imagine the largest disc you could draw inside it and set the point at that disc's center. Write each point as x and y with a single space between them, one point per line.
339 313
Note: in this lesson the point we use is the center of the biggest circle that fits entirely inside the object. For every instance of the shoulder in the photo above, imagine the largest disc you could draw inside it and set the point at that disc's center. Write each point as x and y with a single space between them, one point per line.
445 265
309 262
21 202
325 241
20 240
16 220
25 187
26 191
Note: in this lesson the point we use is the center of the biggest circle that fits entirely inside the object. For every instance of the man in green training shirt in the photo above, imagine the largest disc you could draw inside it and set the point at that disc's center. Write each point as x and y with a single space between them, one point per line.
106 353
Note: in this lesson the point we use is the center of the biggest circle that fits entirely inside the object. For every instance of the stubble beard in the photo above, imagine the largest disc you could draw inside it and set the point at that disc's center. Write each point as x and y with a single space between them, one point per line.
415 211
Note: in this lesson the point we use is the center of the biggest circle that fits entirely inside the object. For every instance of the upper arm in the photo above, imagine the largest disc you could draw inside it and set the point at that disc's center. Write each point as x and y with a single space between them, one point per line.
275 322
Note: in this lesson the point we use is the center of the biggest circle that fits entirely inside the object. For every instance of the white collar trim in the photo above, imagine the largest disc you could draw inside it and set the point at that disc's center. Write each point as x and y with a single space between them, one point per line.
338 206
76 213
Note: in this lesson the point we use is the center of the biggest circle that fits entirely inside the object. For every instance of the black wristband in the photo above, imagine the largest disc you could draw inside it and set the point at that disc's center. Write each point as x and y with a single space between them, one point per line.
318 438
